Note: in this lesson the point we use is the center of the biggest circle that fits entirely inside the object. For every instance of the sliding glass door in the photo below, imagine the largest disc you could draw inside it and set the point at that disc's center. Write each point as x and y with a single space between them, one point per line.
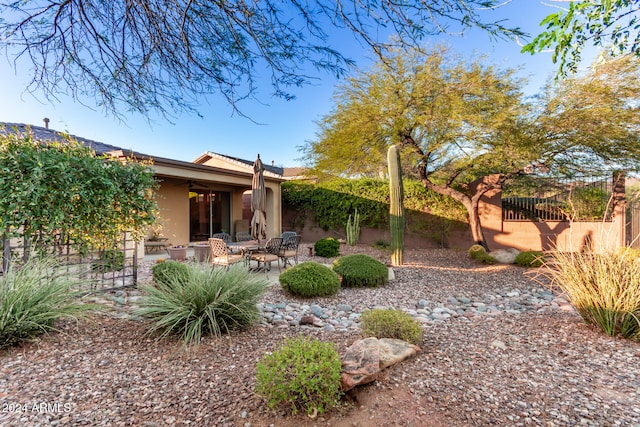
209 213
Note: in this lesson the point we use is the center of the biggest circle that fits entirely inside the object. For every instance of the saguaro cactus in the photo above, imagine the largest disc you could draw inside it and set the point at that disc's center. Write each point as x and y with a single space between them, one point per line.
396 205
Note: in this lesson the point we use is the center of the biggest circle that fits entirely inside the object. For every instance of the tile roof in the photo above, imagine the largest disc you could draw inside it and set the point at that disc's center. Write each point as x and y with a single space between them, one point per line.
44 134
273 169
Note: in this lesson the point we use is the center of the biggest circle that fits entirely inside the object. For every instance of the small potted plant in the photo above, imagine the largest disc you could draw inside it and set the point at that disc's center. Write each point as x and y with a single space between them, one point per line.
202 251
177 252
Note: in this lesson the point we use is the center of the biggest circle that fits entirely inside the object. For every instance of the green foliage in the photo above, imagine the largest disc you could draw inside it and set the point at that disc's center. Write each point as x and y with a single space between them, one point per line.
588 204
381 244
603 287
110 260
353 229
176 55
614 25
530 259
310 279
204 301
32 298
302 374
478 253
328 204
361 270
168 272
390 323
63 190
327 247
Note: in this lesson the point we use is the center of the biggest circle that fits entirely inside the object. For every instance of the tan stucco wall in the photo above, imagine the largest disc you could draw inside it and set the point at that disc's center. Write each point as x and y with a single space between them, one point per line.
173 201
548 235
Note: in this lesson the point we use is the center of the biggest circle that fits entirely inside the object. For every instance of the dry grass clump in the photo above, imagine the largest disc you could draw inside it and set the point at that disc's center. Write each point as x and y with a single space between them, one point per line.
603 287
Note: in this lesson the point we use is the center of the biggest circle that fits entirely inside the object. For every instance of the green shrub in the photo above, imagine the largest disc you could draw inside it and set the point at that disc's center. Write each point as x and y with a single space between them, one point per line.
390 323
302 374
603 287
32 298
478 253
327 247
204 301
382 244
530 259
167 272
310 279
361 270
110 260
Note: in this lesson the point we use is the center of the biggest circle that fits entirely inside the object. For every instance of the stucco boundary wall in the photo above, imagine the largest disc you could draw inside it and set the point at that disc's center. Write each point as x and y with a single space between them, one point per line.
499 234
552 235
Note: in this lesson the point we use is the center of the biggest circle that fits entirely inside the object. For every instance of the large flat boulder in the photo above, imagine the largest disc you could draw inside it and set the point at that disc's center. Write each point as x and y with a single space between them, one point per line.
366 358
505 256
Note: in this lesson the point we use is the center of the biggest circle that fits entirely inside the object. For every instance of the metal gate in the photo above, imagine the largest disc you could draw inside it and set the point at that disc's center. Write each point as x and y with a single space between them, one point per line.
633 224
94 270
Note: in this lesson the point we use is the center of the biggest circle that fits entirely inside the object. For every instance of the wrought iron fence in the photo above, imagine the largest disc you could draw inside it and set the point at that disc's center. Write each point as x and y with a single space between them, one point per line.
633 224
534 198
93 270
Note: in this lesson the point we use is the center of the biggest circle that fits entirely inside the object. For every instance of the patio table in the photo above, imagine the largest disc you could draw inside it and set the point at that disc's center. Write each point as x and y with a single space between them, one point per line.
246 248
158 245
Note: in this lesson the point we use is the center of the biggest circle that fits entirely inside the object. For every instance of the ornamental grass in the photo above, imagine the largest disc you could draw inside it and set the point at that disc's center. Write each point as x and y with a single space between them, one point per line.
202 301
32 298
603 287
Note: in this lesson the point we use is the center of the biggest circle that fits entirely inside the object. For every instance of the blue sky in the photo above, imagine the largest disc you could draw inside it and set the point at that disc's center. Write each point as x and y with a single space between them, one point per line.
278 126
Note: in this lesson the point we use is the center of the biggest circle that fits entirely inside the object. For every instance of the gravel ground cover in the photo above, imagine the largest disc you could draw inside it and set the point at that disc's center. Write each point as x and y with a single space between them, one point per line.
499 349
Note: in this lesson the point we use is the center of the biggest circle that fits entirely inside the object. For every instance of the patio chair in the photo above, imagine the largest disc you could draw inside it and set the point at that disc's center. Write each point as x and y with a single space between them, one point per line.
243 236
223 236
270 253
220 254
286 234
289 250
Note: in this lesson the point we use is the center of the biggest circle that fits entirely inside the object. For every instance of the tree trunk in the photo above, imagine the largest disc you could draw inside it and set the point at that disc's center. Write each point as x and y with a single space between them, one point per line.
471 203
474 223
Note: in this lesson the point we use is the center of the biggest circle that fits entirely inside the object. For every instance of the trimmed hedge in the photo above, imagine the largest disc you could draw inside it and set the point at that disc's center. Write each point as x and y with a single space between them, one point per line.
310 279
390 323
361 270
327 247
478 253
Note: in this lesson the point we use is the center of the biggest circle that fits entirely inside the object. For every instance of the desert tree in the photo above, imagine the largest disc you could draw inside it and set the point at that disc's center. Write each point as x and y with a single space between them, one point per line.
465 127
167 55
611 24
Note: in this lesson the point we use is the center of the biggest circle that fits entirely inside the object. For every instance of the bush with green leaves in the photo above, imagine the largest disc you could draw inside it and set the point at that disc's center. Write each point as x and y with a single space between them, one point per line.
203 301
382 245
64 190
110 260
361 270
303 374
478 253
310 279
328 247
167 272
603 287
530 259
390 323
32 298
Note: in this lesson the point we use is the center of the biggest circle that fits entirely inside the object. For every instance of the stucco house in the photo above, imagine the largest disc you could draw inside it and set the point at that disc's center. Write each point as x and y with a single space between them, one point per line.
196 199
